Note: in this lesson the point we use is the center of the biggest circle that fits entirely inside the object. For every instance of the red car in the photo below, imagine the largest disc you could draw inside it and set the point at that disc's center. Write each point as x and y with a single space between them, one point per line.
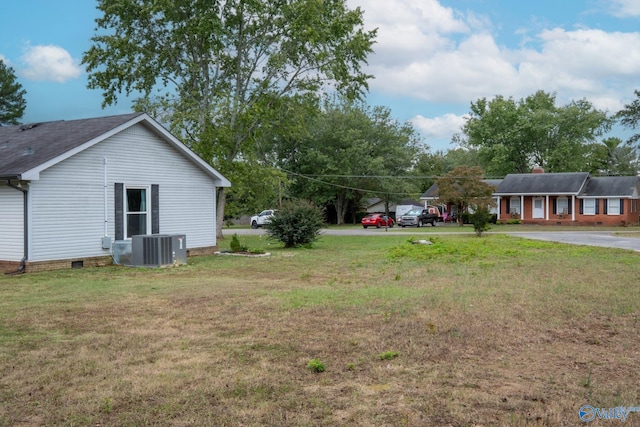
377 220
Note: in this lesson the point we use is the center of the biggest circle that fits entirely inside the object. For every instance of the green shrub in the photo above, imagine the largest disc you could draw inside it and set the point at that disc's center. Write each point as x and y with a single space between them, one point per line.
297 223
388 355
315 365
235 244
480 220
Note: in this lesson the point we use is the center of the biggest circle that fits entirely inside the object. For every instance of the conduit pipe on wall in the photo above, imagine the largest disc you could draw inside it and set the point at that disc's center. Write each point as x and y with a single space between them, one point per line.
25 243
105 198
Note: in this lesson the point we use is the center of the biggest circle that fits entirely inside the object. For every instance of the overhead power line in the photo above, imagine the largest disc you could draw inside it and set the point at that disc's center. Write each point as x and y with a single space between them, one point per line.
331 184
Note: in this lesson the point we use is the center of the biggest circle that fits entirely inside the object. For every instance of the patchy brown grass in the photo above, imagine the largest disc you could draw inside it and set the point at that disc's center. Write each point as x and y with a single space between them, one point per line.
491 331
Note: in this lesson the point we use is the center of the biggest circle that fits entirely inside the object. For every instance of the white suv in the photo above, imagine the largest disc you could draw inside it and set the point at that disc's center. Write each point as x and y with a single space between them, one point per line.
262 218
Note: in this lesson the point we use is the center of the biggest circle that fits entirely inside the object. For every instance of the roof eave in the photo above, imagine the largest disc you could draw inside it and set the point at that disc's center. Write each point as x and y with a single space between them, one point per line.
221 181
537 194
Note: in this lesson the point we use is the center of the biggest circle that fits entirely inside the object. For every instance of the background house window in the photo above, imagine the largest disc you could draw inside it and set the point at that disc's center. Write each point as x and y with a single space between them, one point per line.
514 206
494 209
589 206
613 206
136 211
562 206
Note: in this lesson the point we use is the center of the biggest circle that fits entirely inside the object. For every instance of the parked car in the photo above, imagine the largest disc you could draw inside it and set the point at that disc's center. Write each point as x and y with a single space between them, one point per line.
262 218
377 220
420 217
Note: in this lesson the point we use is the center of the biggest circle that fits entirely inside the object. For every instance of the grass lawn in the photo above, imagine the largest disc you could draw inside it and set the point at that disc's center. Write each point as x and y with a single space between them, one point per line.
491 331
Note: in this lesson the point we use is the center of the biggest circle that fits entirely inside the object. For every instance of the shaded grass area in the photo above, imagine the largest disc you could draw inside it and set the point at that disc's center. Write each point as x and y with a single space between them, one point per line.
467 331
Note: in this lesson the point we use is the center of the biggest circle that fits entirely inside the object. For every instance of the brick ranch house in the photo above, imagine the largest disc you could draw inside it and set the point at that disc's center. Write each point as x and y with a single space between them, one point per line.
570 198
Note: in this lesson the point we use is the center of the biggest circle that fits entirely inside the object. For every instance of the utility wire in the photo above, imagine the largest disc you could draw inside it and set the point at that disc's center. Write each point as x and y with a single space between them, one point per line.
314 179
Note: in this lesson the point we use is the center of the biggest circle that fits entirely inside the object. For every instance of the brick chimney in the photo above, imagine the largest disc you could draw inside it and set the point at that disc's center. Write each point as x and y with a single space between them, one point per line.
537 169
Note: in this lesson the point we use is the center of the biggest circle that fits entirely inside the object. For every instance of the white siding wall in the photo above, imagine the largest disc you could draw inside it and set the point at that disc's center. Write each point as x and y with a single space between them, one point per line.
11 224
68 200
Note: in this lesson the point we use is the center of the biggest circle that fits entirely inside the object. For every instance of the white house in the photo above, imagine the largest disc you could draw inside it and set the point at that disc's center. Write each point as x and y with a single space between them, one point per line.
70 188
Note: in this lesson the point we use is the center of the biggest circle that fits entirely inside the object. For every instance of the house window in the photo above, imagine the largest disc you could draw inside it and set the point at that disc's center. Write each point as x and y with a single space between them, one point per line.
514 206
136 211
589 207
494 209
562 206
613 206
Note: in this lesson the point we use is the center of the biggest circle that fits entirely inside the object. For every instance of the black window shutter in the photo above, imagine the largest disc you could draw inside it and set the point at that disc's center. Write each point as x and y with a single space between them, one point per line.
621 206
570 206
597 206
555 206
508 200
605 202
119 210
155 209
581 206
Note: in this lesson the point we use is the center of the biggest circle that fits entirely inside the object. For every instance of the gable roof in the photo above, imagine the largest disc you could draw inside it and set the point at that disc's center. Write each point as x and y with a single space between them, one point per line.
612 186
26 150
542 183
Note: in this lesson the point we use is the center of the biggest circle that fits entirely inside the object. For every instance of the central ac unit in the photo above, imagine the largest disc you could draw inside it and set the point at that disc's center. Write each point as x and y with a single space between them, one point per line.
157 250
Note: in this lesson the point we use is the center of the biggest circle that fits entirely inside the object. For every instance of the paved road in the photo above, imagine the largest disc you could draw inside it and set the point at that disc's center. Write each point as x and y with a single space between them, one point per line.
593 238
590 238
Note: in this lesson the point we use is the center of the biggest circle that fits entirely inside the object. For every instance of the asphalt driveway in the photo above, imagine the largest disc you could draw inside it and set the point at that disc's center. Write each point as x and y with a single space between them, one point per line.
593 238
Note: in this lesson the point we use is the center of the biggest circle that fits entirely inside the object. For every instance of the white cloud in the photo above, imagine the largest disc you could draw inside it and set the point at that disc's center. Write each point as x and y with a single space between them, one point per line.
439 127
439 55
626 8
49 63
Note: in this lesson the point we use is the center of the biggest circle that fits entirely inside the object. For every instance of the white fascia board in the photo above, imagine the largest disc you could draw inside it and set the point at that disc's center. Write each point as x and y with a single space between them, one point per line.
536 194
608 196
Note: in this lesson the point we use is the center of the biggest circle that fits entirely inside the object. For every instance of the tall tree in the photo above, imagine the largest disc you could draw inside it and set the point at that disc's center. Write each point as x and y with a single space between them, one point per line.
351 151
512 137
464 188
613 157
219 72
12 102
431 166
629 116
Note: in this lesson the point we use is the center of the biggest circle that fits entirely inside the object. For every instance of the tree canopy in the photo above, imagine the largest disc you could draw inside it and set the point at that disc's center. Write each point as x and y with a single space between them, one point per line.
351 151
12 102
514 136
613 157
221 73
630 117
464 188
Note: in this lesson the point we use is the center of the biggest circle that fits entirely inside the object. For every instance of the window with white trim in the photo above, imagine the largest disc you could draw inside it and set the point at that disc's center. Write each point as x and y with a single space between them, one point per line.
613 206
562 206
589 207
514 206
494 209
137 215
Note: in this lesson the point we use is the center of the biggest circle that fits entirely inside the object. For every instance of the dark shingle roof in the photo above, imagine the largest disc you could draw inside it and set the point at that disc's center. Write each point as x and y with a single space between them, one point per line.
542 183
612 186
26 147
432 192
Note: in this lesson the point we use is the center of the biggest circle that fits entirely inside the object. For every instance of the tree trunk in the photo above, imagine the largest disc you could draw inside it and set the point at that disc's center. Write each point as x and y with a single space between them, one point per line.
221 201
341 208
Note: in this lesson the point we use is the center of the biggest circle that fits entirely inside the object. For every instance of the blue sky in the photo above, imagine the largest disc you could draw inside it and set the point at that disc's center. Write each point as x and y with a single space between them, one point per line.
432 57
